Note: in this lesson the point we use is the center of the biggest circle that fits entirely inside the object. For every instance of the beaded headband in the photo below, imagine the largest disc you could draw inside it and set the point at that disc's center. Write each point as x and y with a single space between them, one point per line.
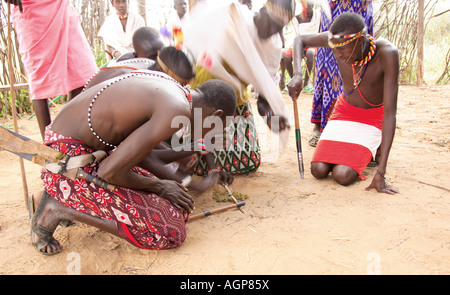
281 15
169 72
350 37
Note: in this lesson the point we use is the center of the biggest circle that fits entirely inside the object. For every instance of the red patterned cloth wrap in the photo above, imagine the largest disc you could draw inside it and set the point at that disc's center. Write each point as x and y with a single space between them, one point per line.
143 219
351 137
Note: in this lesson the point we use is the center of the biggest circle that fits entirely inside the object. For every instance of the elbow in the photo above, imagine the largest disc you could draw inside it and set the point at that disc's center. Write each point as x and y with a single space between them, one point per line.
298 41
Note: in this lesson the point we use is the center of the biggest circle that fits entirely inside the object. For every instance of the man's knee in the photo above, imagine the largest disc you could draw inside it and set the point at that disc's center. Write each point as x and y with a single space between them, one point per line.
310 53
320 170
344 175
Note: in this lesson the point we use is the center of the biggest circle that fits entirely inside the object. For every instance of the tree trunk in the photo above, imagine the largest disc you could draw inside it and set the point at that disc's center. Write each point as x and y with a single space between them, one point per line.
420 33
141 9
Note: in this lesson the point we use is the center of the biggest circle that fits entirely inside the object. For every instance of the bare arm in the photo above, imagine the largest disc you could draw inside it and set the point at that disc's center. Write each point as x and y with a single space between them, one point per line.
116 168
295 86
390 63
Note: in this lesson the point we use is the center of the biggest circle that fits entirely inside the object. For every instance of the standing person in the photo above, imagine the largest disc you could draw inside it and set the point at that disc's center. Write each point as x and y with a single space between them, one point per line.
54 50
240 47
300 25
328 84
179 18
364 117
147 212
118 29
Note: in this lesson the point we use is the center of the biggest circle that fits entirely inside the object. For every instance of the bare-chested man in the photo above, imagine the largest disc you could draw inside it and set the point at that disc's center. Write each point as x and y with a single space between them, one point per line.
126 117
364 117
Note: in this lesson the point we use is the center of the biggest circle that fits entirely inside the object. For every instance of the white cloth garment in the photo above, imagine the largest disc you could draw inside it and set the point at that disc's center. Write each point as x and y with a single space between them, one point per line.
226 32
113 34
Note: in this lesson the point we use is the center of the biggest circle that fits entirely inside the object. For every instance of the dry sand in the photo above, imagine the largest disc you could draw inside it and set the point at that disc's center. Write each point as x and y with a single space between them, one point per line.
291 226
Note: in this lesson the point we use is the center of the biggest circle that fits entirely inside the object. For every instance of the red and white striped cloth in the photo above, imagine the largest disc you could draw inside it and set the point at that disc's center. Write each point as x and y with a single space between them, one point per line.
351 137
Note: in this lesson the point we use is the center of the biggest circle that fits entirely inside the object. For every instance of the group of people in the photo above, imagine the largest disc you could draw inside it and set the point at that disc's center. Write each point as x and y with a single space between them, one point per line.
174 119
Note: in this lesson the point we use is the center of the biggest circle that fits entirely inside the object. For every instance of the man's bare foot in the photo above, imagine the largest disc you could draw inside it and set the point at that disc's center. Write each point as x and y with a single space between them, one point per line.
44 222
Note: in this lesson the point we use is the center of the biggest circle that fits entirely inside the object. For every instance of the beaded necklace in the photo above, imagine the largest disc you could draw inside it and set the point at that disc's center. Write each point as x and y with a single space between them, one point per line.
125 16
357 78
126 76
372 48
356 84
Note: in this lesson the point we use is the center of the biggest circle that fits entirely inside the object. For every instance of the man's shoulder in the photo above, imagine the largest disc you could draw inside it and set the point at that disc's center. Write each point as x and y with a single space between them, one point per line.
162 88
386 45
387 50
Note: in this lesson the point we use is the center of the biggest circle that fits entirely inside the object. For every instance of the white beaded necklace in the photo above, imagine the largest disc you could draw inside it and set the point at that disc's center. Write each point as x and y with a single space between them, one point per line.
122 77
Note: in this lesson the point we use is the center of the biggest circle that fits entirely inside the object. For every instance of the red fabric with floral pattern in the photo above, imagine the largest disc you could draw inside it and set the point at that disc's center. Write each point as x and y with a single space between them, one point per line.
143 219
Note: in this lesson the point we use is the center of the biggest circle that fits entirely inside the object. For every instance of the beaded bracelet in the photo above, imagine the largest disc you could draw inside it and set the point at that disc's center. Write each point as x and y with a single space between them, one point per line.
384 177
381 174
214 170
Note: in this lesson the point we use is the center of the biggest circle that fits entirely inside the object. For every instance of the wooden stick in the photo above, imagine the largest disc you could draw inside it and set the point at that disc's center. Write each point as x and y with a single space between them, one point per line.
13 100
230 193
210 212
298 139
434 185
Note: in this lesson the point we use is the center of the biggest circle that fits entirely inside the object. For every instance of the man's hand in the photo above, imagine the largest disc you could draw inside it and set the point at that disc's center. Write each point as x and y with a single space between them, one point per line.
207 183
225 178
16 2
381 185
265 110
295 86
176 194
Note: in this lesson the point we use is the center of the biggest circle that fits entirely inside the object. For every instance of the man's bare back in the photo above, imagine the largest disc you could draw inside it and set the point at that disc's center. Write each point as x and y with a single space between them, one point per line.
133 112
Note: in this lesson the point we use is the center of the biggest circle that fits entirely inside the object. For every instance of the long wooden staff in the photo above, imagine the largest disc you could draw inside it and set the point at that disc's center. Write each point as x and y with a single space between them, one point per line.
210 212
298 139
13 99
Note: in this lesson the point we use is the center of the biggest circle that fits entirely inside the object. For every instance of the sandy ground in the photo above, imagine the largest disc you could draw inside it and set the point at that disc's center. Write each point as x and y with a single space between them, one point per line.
291 226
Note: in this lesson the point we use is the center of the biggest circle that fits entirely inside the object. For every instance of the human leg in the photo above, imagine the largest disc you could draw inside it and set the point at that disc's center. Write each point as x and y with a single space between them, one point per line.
42 111
344 175
315 136
321 170
75 92
282 73
47 216
288 61
309 64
